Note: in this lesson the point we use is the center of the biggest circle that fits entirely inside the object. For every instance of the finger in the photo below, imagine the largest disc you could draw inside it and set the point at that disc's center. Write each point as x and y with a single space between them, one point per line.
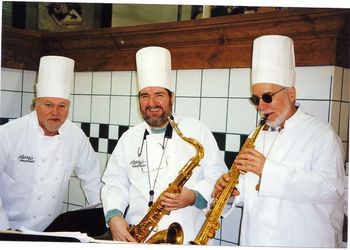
169 195
129 238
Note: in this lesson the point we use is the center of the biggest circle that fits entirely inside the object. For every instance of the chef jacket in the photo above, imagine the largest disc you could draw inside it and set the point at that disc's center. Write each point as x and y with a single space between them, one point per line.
135 167
300 202
35 171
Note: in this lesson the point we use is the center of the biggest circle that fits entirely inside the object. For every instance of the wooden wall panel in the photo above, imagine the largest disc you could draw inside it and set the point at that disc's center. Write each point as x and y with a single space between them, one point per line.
321 37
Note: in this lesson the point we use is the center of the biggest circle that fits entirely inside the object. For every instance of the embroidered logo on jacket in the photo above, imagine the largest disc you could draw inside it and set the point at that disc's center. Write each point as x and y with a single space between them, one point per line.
26 158
137 163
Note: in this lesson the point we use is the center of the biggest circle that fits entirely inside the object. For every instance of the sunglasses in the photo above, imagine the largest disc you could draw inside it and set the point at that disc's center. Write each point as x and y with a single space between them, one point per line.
267 98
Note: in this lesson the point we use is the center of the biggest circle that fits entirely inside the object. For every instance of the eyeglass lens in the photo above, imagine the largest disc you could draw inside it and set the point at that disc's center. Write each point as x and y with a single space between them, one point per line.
266 97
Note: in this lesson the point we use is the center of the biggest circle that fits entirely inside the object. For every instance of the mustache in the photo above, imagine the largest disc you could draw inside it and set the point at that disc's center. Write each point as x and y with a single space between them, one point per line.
153 107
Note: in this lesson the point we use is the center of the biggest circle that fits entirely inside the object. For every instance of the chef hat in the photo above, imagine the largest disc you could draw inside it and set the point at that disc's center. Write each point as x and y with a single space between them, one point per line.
56 75
154 68
273 60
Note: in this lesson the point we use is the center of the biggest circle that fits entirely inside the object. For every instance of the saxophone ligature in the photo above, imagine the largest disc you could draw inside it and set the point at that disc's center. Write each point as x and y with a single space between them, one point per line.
211 224
174 233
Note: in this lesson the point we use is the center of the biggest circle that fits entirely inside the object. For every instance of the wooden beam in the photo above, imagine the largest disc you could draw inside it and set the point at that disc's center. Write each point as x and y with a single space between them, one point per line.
321 37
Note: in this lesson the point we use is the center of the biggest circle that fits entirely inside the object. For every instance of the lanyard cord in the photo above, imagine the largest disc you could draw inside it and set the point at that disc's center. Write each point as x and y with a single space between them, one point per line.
151 190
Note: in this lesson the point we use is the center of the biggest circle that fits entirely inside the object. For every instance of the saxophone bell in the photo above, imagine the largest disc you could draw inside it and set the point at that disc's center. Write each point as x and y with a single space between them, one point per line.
173 235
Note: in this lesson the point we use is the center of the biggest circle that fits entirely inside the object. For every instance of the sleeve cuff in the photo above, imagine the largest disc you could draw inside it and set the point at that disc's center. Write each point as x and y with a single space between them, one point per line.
200 202
111 213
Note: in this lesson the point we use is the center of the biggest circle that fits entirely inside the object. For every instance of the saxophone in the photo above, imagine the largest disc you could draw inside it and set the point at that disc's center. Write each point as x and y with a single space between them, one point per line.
211 224
174 233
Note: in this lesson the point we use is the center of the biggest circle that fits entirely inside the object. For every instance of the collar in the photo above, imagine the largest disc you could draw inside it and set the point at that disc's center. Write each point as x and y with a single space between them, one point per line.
168 130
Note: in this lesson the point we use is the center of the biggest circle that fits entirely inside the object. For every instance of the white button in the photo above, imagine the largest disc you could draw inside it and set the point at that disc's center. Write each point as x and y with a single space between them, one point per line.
49 214
43 160
39 197
53 196
41 179
56 178
57 159
34 216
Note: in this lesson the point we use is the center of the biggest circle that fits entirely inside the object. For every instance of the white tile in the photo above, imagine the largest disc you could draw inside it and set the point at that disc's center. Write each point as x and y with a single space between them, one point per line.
64 208
72 207
100 109
70 111
11 79
65 199
318 109
233 143
344 122
189 83
83 83
215 82
187 107
346 85
29 80
113 132
10 104
120 110
231 226
94 130
213 113
241 116
78 124
135 115
240 83
102 145
76 194
101 82
134 85
81 108
121 82
337 79
27 103
334 116
313 82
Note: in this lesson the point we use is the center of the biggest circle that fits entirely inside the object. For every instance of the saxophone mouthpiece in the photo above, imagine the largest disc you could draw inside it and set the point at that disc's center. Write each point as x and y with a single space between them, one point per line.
264 119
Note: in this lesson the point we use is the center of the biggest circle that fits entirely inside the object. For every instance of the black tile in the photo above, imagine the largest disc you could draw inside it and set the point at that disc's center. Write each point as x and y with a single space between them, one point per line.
220 139
122 129
111 145
104 128
86 128
243 139
94 143
4 120
229 158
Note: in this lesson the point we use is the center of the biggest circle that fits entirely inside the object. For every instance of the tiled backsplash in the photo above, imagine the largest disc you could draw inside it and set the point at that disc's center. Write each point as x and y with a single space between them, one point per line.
104 105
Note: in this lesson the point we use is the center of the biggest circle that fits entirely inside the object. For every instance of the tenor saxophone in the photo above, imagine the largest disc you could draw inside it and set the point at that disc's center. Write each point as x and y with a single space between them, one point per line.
211 224
174 234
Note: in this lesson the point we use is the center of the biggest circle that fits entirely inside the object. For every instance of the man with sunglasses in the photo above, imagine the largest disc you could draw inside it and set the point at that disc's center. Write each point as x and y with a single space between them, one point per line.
298 161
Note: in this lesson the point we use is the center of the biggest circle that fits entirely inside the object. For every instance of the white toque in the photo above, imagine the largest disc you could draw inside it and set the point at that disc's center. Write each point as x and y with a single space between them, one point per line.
273 60
153 66
55 77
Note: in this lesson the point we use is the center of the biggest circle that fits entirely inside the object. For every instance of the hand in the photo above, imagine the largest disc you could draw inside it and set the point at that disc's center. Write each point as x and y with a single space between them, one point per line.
178 200
120 229
221 184
250 160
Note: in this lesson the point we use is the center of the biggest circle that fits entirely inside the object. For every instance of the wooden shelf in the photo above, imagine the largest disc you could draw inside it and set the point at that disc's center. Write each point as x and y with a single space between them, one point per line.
321 37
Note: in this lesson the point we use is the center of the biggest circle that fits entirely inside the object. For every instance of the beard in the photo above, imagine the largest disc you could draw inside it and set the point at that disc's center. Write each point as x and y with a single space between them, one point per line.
281 117
157 121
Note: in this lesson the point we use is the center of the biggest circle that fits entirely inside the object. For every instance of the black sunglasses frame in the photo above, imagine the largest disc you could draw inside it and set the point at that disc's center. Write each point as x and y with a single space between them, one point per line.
266 97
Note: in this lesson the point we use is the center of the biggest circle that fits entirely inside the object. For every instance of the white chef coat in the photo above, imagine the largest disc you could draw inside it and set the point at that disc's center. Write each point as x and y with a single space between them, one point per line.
35 171
300 202
126 176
